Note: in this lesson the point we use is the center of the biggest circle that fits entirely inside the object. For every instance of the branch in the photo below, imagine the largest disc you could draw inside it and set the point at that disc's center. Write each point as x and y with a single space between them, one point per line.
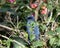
11 29
8 28
13 41
49 18
49 21
37 9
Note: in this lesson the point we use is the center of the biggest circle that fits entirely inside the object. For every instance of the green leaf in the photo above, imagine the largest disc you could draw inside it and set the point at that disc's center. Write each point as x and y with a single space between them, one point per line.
52 40
50 5
15 2
8 43
58 42
51 33
43 27
16 45
38 43
59 36
32 37
58 30
21 41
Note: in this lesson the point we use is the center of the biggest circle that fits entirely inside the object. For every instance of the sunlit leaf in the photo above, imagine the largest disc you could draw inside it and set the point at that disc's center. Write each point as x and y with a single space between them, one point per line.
52 40
58 42
50 33
37 43
58 30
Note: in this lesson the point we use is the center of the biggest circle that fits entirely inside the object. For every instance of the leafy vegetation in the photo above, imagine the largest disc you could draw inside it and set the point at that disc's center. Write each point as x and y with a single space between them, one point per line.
13 21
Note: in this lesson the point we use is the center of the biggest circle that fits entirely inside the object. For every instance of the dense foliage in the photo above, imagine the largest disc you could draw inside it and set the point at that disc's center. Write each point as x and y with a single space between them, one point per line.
13 15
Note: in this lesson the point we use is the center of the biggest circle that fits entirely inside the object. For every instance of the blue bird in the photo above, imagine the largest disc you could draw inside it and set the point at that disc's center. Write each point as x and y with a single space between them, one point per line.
32 29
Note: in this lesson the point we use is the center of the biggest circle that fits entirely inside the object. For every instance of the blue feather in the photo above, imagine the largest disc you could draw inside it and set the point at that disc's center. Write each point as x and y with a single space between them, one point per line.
32 28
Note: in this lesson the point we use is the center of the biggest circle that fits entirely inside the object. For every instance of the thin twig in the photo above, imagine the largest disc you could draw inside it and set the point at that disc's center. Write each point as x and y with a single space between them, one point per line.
8 28
37 9
49 18
13 41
